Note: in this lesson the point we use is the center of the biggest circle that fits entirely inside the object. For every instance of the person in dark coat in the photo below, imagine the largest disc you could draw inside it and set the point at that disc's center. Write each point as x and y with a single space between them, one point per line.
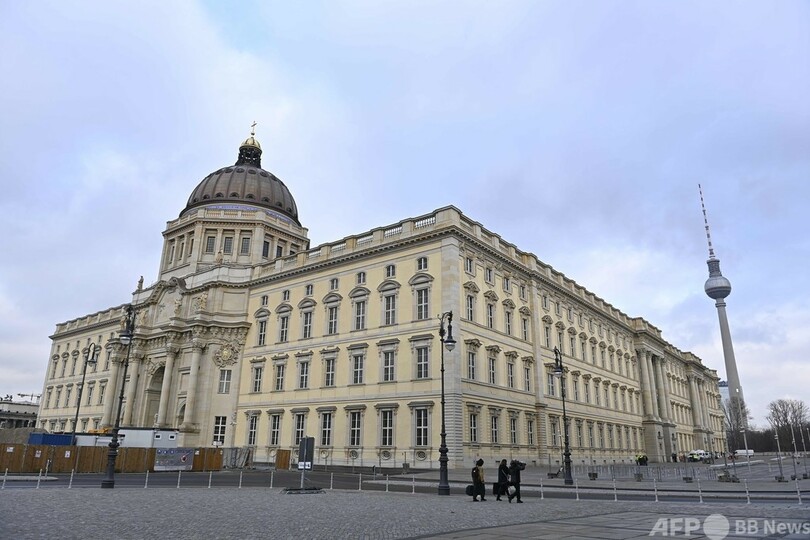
479 490
503 480
514 474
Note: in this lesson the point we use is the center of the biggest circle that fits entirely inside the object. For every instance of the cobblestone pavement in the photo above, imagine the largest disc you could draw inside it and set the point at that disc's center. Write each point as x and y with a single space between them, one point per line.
270 513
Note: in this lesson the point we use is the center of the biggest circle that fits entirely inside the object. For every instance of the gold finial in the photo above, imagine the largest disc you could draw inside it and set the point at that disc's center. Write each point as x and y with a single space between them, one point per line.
253 129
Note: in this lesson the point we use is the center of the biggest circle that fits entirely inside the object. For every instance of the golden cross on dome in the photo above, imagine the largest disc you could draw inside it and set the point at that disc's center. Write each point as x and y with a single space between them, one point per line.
253 129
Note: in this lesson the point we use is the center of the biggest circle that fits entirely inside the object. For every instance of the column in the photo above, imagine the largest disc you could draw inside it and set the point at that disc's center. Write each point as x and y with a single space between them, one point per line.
663 402
694 399
134 369
191 397
704 406
646 395
653 390
168 371
111 393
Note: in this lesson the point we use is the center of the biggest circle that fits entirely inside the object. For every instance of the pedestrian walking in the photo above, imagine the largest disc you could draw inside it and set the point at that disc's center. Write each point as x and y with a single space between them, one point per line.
514 478
503 480
479 490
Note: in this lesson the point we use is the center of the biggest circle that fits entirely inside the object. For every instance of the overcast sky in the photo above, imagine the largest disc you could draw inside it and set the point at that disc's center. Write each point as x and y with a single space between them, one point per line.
578 131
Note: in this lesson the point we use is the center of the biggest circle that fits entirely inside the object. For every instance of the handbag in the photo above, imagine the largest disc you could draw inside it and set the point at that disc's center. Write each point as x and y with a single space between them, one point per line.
469 490
511 490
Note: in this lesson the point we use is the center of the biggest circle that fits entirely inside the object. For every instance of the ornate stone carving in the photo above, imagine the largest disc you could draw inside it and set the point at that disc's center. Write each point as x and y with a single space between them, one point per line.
227 355
153 365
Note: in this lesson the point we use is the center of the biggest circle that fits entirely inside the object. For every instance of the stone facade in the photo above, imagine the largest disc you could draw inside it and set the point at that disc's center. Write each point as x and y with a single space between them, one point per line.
249 337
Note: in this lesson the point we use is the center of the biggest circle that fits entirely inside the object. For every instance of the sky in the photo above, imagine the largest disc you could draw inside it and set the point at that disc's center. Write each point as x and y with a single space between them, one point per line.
579 131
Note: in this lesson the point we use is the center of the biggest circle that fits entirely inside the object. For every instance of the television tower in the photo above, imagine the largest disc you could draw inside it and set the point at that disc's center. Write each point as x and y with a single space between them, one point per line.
718 288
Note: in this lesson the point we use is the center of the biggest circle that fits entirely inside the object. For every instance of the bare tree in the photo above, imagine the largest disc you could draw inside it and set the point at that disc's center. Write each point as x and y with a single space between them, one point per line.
784 413
737 417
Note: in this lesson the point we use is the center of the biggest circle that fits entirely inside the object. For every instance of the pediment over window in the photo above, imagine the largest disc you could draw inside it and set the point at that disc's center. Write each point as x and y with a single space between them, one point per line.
388 285
473 343
490 295
332 298
262 313
420 279
509 304
283 308
572 331
307 303
547 319
560 325
359 292
525 311
471 287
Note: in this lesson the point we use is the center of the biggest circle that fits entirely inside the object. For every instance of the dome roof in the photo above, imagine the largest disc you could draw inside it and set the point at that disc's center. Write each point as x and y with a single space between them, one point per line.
245 184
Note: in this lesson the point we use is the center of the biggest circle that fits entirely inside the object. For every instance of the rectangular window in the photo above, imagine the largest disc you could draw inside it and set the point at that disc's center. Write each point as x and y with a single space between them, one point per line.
300 428
101 390
227 245
492 378
524 325
354 428
421 264
386 427
493 429
471 365
550 384
422 308
390 309
468 265
283 327
421 424
265 249
513 438
575 385
90 395
333 284
491 315
285 295
422 363
68 390
527 378
279 250
329 372
555 436
244 249
224 381
510 375
361 278
253 422
388 366
219 429
331 320
586 389
572 343
307 325
275 429
257 378
596 394
523 292
279 378
390 271
326 429
210 242
470 307
360 315
579 434
547 336
262 335
357 368
488 275
507 322
530 432
507 284
308 290
473 428
303 375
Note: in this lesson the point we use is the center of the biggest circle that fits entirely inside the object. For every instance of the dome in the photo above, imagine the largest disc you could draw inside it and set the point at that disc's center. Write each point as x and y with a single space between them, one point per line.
245 184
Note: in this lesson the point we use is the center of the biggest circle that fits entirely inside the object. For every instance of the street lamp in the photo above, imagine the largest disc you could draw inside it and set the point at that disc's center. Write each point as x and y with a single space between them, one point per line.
449 343
558 372
126 339
90 358
778 455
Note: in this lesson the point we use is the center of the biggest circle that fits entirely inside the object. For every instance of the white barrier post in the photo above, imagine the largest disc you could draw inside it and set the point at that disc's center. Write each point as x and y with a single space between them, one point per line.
655 487
271 478
541 490
700 490
4 479
39 478
360 482
210 476
576 488
747 495
798 491
240 479
179 473
331 480
70 483
386 483
615 495
413 484
146 480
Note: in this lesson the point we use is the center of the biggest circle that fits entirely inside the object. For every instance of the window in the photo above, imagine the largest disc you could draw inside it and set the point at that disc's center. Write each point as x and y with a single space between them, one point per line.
527 378
257 378
507 284
262 334
491 315
306 329
275 429
67 395
308 290
360 315
421 425
522 291
579 434
493 429
510 375
570 314
210 242
550 382
303 375
300 428
590 435
421 264
285 296
557 308
555 436
488 275
90 388
279 378
357 368
422 307
224 381
227 245
468 265
607 397
329 372
513 439
473 428
265 249
326 429
596 394
572 343
265 300
390 271
331 320
101 389
545 301
422 363
530 432
507 322
279 250
244 249
547 336
575 385
524 327
390 309
387 427
253 422
333 284
492 362
560 342
586 389
219 429
283 327
471 365
388 366
361 278
470 307
355 428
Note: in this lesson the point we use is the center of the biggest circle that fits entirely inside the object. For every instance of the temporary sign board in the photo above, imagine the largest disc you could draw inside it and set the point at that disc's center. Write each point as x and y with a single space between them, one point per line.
174 459
306 453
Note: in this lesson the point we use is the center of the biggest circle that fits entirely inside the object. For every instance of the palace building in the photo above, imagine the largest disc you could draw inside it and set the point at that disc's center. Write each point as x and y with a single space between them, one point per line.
251 338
